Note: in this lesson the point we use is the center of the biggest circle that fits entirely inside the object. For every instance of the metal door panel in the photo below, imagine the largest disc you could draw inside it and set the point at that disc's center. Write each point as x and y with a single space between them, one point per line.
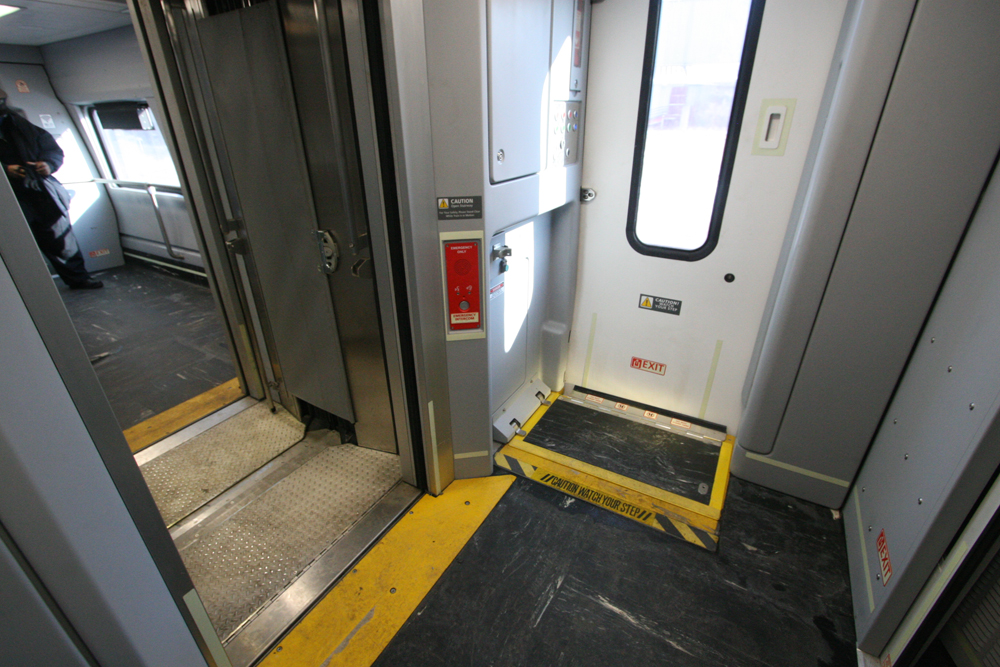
322 96
248 73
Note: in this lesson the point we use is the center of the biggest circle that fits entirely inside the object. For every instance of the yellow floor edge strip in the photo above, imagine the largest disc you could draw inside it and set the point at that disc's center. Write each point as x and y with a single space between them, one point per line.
691 527
721 483
170 421
361 614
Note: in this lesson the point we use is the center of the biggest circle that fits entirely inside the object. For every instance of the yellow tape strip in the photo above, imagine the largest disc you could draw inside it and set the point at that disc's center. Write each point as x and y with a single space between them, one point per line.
721 483
357 619
166 423
614 499
753 456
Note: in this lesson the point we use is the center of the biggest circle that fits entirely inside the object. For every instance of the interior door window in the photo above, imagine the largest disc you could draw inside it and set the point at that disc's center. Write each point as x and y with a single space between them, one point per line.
699 55
133 144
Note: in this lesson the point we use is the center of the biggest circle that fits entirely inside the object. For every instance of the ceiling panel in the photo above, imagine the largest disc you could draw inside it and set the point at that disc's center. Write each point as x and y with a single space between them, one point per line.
43 22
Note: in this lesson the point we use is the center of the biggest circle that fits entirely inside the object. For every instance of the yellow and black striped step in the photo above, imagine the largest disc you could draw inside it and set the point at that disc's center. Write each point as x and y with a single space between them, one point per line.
657 502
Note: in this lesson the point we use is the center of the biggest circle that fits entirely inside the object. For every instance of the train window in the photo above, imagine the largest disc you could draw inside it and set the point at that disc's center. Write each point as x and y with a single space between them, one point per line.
699 55
133 144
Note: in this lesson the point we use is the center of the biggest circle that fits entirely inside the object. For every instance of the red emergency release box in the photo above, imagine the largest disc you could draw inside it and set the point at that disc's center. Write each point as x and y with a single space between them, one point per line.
461 261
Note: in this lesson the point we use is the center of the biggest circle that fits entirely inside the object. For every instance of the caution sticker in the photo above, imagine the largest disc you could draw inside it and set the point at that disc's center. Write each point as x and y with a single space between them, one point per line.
659 304
621 406
594 399
99 253
883 557
459 208
680 422
597 498
496 290
648 414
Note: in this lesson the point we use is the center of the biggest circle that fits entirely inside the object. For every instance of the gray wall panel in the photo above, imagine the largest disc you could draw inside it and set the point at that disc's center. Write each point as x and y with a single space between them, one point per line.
940 442
103 67
872 50
58 500
17 53
922 180
30 633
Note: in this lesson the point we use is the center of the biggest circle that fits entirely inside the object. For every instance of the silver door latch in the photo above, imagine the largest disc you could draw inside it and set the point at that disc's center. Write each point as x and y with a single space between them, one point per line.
329 251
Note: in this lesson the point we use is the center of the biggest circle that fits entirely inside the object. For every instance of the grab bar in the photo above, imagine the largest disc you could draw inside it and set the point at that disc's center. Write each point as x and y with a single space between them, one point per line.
151 190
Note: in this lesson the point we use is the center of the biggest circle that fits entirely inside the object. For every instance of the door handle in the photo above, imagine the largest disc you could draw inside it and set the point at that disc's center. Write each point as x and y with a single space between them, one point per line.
329 251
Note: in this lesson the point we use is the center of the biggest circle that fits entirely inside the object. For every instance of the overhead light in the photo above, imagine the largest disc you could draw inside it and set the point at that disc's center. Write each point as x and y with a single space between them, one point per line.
7 9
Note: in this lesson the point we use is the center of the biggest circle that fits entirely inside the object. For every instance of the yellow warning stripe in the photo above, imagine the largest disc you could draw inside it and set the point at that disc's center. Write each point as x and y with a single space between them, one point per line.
721 483
635 485
713 510
166 423
355 621
629 495
537 415
631 504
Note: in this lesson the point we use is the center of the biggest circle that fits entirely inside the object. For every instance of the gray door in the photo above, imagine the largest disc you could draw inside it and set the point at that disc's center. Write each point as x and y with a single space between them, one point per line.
246 79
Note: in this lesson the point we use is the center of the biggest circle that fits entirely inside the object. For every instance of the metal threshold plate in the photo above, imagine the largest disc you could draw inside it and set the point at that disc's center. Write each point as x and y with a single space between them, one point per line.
193 473
243 563
251 642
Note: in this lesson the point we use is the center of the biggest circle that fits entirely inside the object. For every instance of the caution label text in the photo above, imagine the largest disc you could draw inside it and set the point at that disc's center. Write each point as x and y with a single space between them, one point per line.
595 497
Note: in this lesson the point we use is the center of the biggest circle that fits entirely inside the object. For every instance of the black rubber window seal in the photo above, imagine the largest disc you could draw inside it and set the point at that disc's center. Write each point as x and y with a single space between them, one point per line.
732 136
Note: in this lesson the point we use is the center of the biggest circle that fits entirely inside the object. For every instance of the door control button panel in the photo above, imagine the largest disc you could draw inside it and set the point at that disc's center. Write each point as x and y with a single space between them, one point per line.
461 261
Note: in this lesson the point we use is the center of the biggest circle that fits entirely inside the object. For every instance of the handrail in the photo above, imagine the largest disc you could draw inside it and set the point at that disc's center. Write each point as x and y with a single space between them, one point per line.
170 189
152 191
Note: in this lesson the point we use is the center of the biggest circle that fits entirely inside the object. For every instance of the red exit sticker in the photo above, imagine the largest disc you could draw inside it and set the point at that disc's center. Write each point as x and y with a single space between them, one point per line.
883 557
649 366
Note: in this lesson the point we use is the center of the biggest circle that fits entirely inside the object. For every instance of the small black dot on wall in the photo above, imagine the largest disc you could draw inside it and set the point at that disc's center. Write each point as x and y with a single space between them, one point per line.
730 278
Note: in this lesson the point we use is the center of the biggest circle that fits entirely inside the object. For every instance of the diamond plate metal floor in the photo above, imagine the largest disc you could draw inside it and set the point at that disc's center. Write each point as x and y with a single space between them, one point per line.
188 476
241 564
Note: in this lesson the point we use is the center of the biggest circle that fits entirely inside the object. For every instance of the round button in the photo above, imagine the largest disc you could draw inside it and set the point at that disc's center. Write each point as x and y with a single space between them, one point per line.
576 114
462 267
464 305
575 126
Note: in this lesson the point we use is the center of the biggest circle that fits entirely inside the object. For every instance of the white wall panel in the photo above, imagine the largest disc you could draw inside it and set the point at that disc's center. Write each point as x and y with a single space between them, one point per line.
718 320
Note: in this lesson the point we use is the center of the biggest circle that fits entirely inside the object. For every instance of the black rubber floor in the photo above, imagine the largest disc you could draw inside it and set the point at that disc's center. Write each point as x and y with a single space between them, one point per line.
165 338
547 580
666 460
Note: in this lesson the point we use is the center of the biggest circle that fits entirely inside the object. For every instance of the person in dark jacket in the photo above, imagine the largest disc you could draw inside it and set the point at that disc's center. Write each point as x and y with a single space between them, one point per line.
29 155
